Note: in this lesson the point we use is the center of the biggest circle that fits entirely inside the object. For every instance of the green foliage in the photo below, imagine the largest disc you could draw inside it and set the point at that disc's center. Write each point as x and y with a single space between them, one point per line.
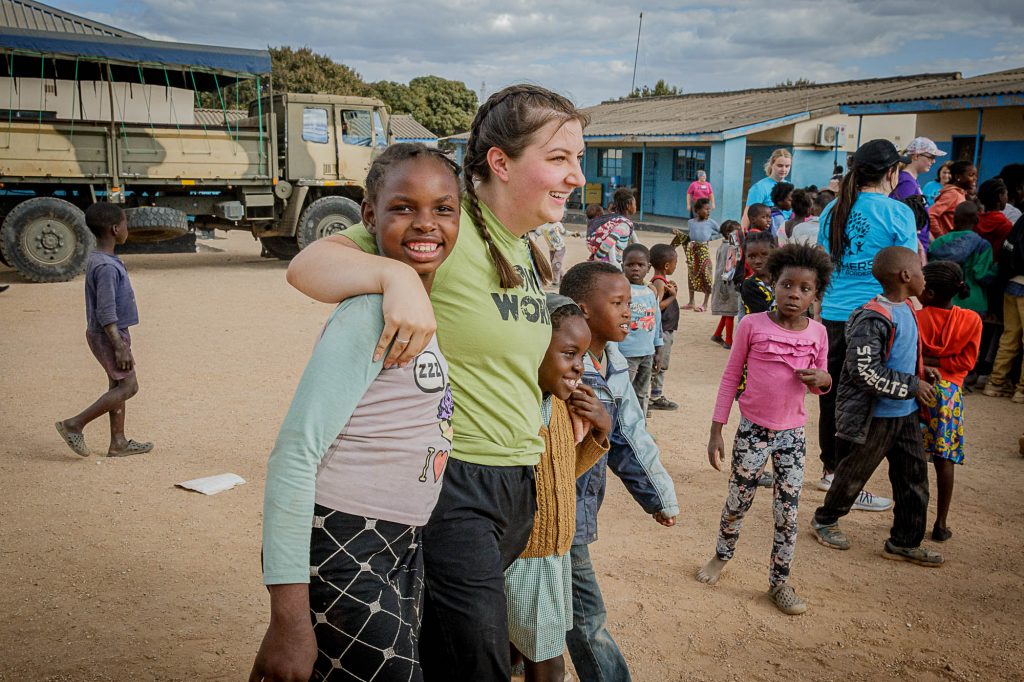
660 89
441 105
798 83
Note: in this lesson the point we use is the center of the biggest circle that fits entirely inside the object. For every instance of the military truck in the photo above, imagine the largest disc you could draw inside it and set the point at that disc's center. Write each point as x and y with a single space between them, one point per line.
290 169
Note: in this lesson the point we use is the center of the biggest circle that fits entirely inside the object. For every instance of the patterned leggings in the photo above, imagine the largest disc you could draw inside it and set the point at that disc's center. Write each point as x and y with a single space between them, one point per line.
754 445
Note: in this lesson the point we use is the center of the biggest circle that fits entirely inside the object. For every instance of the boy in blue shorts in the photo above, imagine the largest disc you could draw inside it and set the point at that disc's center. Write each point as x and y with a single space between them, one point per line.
601 291
109 311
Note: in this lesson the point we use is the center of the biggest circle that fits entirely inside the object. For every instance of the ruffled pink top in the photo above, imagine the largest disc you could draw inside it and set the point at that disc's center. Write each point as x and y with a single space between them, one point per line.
773 396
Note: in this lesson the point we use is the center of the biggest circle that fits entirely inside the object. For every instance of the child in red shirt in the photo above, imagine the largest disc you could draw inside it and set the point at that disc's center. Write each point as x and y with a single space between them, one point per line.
950 337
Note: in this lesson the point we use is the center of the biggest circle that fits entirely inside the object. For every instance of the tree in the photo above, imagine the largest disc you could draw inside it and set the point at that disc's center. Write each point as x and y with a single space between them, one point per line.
399 97
301 70
660 89
798 83
448 106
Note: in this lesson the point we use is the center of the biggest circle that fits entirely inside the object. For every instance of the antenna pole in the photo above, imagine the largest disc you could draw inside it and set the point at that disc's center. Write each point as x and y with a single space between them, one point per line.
632 87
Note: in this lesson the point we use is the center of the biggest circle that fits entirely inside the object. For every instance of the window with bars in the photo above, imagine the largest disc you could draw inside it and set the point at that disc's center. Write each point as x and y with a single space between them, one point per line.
609 162
687 161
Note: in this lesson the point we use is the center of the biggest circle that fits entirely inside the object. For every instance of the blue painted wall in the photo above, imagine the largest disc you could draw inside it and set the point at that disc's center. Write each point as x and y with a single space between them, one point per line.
812 167
725 172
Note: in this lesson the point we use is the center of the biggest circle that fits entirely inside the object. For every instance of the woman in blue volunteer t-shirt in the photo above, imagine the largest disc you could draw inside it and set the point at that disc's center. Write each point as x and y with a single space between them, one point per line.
760 192
860 222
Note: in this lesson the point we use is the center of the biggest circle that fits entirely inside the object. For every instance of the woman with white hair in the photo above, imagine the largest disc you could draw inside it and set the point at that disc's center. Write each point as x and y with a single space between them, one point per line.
699 189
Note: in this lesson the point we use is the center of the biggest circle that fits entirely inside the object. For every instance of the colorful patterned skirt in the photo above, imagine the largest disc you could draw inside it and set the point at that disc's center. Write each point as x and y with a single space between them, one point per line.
943 427
698 267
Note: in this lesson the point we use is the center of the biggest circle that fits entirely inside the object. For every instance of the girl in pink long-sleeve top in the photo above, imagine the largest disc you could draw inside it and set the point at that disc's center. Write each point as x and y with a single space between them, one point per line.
781 354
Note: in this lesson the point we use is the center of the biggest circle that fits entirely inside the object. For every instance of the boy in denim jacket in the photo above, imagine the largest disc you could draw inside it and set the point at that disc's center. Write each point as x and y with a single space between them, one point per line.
603 293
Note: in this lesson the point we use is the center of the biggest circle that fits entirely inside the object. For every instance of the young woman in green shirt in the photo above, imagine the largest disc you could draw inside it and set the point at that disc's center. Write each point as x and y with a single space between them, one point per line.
522 160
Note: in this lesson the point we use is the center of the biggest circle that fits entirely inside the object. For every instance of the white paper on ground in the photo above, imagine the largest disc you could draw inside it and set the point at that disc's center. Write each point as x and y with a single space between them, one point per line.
211 485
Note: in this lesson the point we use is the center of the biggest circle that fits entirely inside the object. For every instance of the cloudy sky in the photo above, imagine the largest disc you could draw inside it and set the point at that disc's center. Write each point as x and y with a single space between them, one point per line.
584 48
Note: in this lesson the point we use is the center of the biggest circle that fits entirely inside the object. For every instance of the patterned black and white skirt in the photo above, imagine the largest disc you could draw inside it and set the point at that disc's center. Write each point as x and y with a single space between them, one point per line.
365 598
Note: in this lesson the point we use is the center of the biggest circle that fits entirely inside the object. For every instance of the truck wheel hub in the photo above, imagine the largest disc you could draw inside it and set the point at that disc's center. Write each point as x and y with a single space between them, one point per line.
49 241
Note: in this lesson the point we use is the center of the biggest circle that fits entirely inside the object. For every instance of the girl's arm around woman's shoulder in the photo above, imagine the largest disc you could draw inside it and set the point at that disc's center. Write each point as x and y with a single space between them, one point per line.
336 268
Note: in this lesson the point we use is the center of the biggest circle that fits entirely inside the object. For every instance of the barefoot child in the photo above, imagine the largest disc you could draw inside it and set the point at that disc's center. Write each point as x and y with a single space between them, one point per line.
360 458
110 310
603 295
702 230
724 297
784 354
950 338
664 260
538 585
644 338
882 381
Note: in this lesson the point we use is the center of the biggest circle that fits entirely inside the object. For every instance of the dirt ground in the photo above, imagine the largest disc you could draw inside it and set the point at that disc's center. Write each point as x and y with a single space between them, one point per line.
112 573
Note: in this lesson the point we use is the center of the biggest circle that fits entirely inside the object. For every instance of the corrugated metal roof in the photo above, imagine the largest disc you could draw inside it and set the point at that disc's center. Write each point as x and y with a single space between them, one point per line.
1009 82
35 16
215 117
716 112
405 127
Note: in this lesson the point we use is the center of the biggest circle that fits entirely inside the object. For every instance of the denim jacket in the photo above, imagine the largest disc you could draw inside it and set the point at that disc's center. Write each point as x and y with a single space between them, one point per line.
633 456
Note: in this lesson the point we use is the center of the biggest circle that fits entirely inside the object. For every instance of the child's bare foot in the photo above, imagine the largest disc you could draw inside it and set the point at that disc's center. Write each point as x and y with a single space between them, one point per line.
712 569
130 447
74 439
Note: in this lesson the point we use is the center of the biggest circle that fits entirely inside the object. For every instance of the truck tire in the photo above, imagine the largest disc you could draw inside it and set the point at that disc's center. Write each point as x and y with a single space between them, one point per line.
326 215
284 248
155 223
46 240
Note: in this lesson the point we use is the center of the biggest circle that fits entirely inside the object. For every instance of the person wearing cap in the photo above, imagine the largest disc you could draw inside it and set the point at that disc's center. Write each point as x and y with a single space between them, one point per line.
919 156
861 222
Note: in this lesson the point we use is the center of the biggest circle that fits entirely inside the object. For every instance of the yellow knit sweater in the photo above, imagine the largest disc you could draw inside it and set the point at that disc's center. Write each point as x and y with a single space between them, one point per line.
554 524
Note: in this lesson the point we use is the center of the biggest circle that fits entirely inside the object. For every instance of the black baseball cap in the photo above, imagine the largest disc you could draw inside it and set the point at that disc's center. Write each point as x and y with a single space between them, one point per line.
877 155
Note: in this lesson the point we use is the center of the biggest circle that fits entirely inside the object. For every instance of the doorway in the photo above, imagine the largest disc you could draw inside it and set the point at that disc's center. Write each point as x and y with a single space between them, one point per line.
638 176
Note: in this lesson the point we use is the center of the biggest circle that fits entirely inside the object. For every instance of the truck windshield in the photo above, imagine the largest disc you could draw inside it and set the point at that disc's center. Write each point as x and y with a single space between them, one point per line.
380 135
356 128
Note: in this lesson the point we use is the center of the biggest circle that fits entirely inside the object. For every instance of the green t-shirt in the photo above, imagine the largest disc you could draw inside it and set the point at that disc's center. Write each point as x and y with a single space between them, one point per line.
494 340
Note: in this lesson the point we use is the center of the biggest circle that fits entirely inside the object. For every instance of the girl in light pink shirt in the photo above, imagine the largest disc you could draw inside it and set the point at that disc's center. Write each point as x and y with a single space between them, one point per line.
778 356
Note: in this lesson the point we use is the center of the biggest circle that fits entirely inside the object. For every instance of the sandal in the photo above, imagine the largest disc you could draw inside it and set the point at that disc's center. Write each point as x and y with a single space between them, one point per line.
698 309
75 441
134 447
689 306
786 599
830 535
915 555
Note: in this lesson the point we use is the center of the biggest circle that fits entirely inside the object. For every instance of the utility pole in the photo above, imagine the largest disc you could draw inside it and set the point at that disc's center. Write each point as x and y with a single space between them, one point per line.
632 87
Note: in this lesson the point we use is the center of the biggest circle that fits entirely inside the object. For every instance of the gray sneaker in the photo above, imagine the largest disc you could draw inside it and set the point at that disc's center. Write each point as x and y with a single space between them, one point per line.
868 502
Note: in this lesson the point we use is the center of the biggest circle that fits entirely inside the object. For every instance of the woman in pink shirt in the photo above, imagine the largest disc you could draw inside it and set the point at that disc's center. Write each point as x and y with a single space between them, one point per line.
785 354
699 189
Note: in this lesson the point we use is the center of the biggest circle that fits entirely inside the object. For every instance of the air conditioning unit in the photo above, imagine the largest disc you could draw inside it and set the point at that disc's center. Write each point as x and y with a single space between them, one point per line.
831 135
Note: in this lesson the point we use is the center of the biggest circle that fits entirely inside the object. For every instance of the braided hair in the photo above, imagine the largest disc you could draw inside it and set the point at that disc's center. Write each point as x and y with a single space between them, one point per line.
508 120
945 279
397 153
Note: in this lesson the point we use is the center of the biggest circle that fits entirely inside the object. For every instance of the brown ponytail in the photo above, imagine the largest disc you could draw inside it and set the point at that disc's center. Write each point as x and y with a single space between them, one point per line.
849 189
508 120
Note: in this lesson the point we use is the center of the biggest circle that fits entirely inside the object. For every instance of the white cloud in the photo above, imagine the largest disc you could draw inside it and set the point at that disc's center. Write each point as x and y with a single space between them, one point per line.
585 48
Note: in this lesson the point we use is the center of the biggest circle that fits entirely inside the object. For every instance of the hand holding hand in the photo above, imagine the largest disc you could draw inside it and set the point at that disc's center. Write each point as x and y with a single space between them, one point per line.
932 375
926 393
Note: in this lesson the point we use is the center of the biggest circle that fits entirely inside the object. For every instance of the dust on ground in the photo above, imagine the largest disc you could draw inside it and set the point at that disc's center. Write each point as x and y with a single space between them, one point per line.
112 573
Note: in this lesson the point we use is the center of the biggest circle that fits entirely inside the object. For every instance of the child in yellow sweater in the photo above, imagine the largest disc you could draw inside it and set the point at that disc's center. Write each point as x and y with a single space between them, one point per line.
538 585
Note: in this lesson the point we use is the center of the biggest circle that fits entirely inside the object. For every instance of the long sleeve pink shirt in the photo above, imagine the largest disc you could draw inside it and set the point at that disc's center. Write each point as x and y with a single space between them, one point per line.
774 395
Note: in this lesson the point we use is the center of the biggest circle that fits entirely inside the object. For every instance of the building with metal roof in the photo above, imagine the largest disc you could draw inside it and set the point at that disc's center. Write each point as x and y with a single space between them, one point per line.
657 145
980 119
407 129
35 16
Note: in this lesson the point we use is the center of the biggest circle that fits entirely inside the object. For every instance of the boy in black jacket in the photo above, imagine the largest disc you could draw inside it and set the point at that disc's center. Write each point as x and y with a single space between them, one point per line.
882 380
